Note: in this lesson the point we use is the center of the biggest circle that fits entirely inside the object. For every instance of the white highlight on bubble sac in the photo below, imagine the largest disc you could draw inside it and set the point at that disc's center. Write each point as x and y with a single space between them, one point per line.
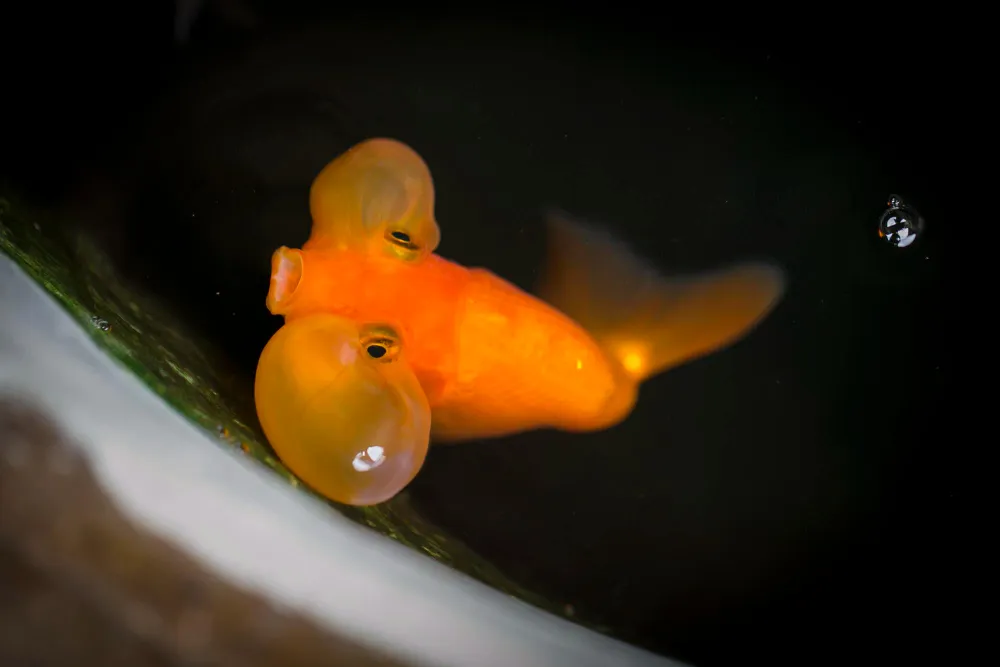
371 458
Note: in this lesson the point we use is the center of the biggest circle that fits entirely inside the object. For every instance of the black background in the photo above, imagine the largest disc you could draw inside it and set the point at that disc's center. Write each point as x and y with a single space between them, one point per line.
769 502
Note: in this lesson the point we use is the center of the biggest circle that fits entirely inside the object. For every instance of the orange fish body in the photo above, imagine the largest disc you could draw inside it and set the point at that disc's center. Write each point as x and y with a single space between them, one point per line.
489 358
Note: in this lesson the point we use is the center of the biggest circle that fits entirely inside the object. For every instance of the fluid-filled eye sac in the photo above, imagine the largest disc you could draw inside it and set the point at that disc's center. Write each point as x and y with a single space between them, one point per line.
378 196
352 425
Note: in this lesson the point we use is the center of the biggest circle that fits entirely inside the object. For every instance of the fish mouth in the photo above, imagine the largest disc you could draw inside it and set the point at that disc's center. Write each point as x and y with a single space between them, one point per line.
286 276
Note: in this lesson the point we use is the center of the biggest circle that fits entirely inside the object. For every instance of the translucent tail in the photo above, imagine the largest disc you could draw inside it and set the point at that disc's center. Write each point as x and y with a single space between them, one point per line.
647 321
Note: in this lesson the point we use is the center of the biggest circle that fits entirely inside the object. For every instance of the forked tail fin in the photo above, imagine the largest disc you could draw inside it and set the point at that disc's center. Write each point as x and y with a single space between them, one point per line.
647 321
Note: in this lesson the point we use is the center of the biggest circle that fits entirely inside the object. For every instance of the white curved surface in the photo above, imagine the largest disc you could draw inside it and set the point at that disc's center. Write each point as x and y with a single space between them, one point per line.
253 530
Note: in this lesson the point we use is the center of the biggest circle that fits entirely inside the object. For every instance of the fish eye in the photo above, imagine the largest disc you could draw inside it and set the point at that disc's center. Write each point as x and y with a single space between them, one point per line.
401 239
380 342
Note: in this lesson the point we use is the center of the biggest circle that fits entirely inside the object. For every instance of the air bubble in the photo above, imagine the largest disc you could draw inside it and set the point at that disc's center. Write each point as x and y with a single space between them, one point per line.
901 224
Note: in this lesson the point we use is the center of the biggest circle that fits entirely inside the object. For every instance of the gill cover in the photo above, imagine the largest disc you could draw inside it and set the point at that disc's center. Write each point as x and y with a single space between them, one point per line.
376 197
342 408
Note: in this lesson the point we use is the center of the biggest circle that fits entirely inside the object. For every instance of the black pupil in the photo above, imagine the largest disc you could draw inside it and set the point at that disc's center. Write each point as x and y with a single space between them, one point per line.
376 351
401 236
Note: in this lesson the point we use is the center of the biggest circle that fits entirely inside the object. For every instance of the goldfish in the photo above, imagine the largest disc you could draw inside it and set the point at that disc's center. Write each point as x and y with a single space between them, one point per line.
387 346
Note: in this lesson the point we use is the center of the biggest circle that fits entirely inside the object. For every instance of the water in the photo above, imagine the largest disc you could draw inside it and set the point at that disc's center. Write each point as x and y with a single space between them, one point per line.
760 503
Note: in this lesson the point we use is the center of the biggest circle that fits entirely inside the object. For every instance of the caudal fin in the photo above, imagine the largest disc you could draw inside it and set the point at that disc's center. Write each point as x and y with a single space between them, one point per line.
647 321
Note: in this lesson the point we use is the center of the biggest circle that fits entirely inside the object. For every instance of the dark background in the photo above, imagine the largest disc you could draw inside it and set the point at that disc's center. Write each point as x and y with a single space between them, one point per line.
770 502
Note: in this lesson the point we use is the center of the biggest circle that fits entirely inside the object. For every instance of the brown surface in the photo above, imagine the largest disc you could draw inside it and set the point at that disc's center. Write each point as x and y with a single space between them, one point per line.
81 585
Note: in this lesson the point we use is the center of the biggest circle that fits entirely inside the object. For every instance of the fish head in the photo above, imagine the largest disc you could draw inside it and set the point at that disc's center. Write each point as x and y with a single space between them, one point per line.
378 198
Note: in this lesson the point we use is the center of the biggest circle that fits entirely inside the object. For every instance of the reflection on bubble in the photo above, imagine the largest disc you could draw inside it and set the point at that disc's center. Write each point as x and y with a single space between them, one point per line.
900 224
372 457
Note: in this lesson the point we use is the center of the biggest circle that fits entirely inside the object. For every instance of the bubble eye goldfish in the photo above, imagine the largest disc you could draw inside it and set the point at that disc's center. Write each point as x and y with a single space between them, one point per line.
387 345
